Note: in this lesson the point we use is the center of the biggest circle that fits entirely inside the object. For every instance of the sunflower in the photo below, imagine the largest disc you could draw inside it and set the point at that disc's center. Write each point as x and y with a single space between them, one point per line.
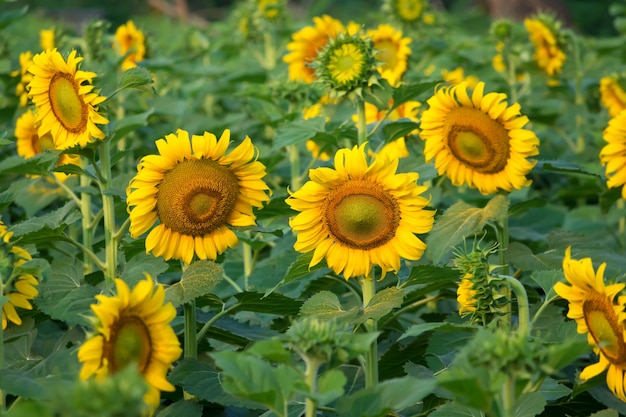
65 100
346 62
130 43
133 327
392 50
407 110
466 296
19 289
196 191
21 90
358 215
544 33
30 144
405 11
46 39
457 76
305 45
613 154
612 94
478 141
593 306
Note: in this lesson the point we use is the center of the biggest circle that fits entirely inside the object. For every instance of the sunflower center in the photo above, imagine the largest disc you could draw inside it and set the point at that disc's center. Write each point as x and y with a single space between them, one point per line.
477 140
43 143
130 343
346 62
605 329
409 10
361 214
387 53
197 197
67 105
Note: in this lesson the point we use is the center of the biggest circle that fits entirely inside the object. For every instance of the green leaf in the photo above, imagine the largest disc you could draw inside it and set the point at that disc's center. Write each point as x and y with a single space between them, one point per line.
456 410
552 390
411 92
395 130
72 169
272 303
39 164
26 408
530 405
270 349
18 384
566 167
427 274
185 408
330 386
383 303
64 296
389 396
143 263
418 329
562 354
605 413
198 280
378 95
298 131
524 206
9 16
546 280
57 219
300 268
131 123
137 78
256 380
461 220
13 191
325 305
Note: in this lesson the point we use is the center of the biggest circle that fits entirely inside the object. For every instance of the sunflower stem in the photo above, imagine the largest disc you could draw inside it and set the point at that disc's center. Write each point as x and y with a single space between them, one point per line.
310 375
205 328
523 309
621 223
191 346
85 211
294 161
108 212
579 98
361 126
368 286
502 230
270 50
247 263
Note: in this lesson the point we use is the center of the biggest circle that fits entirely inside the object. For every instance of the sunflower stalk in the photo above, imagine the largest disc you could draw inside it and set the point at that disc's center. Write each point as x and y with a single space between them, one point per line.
191 345
523 309
361 125
579 98
85 211
294 162
108 211
368 286
310 375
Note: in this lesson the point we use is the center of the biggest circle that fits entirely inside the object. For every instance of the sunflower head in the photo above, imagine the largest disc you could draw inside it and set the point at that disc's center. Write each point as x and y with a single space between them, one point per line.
408 12
359 215
271 10
21 90
478 140
346 63
613 93
130 43
392 52
20 288
132 327
613 153
545 33
196 192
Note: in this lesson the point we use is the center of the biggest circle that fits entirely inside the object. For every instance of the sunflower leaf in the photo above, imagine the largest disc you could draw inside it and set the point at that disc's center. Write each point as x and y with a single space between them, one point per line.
395 130
298 131
137 78
325 305
198 280
383 303
410 92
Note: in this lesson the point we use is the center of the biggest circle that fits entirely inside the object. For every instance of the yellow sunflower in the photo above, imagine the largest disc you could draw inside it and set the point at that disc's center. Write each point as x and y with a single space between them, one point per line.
46 39
613 154
19 289
133 327
305 45
406 11
408 110
544 34
316 150
392 50
30 144
466 295
130 43
612 94
358 215
593 306
457 76
479 140
21 90
195 190
66 103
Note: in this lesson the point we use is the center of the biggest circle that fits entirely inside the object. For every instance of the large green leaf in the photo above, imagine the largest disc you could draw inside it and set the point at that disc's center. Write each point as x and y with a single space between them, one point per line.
57 219
326 305
298 131
530 404
412 92
456 410
185 408
272 303
198 280
383 303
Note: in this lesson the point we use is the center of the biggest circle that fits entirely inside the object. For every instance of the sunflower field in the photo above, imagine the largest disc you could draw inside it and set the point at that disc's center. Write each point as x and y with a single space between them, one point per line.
414 212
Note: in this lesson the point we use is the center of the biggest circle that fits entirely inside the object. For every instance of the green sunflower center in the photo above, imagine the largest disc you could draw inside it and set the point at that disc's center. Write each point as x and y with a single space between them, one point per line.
42 143
477 140
67 104
130 343
605 329
409 10
346 63
387 53
197 197
361 214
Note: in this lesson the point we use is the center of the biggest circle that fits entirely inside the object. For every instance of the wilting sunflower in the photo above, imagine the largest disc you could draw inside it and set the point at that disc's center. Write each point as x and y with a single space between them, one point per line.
392 50
346 63
30 144
46 39
613 154
593 306
66 103
133 327
405 11
358 215
478 141
195 190
21 90
19 289
612 94
544 33
305 45
130 43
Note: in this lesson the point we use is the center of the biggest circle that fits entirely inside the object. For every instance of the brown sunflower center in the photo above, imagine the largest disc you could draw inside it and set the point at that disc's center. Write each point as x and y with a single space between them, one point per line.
361 214
197 197
605 329
67 105
477 140
130 343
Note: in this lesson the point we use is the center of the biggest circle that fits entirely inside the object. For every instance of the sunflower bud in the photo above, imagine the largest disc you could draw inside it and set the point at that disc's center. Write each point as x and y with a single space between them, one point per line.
501 29
94 36
407 12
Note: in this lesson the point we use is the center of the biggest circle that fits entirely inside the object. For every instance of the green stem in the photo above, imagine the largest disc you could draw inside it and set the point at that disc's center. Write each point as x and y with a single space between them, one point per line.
361 126
191 346
108 212
310 376
270 51
247 263
368 286
2 398
579 98
523 309
85 211
540 310
508 397
208 324
502 231
511 78
621 223
294 161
